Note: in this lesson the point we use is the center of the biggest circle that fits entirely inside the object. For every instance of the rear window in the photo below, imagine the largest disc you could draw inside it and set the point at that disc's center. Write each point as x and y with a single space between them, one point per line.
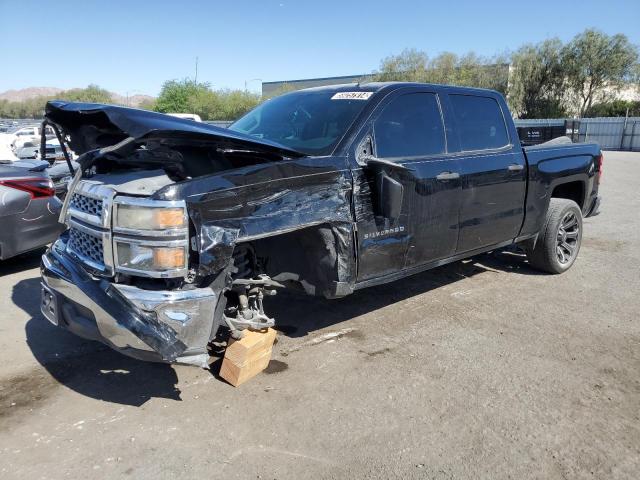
479 122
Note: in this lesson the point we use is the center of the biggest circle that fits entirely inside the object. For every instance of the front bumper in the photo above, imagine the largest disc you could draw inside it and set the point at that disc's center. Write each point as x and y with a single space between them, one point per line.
165 325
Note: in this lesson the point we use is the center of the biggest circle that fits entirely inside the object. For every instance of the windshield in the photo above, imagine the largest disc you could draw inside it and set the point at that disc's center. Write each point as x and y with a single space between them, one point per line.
310 122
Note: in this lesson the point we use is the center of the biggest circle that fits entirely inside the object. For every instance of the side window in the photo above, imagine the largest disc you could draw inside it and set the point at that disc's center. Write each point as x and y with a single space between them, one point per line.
479 122
411 125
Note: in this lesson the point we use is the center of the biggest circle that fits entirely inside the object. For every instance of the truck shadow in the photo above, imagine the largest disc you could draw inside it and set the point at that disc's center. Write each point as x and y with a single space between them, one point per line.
22 262
88 367
96 371
297 315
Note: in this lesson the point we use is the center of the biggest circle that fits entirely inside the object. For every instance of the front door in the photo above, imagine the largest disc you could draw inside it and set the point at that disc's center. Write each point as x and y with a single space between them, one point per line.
408 131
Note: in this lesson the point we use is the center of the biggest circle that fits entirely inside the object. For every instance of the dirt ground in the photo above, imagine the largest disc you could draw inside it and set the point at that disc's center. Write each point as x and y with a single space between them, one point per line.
480 369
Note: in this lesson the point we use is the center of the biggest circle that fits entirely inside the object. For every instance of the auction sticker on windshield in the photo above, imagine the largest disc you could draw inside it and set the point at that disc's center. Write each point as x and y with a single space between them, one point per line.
352 96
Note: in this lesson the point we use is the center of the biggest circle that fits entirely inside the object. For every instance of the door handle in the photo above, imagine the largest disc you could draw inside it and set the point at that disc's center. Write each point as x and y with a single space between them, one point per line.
448 176
515 167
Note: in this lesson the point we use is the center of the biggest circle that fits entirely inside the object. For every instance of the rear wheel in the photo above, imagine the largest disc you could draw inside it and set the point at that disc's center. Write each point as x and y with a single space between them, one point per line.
559 243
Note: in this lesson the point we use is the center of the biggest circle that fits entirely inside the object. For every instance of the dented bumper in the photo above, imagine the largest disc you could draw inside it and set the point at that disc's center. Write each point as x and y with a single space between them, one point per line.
164 325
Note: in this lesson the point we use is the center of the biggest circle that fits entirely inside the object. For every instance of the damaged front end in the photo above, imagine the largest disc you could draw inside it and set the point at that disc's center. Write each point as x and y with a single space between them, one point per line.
175 229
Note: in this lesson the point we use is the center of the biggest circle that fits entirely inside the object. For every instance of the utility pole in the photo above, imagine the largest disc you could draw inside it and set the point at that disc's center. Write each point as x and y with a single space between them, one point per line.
196 79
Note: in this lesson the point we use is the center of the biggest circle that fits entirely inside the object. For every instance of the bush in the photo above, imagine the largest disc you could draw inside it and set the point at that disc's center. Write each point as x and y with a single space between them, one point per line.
186 96
614 108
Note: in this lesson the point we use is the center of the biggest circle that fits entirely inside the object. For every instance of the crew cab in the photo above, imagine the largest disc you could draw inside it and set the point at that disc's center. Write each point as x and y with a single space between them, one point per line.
176 228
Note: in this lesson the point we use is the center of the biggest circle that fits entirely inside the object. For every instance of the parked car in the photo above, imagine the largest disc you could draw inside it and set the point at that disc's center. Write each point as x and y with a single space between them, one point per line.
187 116
53 150
61 176
28 133
29 150
177 227
29 210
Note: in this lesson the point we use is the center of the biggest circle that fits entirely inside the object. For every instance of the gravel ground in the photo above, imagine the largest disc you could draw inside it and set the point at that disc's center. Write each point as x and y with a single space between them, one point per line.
480 369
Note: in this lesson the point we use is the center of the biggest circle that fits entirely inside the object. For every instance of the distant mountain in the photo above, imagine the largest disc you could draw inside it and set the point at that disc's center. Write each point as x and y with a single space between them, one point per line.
134 100
27 93
33 92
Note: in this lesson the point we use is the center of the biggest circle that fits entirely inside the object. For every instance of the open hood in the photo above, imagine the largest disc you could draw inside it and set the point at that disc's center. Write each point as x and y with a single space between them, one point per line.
93 125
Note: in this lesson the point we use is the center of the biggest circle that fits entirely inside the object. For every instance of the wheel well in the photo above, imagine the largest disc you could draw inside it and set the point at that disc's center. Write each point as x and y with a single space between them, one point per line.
571 191
305 259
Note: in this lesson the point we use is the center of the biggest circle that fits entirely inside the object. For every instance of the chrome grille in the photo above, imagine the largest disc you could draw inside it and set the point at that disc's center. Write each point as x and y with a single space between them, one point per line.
86 246
91 206
88 216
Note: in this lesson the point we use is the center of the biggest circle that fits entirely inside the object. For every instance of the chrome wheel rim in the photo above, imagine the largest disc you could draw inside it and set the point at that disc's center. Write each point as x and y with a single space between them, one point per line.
567 239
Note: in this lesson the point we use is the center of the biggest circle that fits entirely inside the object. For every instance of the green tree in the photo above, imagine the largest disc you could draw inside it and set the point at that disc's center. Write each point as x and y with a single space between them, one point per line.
537 80
91 94
598 64
471 70
149 104
614 108
185 96
410 65
235 103
181 96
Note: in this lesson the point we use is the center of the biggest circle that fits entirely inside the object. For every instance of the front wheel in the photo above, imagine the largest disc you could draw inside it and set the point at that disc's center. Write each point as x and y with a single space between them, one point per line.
559 243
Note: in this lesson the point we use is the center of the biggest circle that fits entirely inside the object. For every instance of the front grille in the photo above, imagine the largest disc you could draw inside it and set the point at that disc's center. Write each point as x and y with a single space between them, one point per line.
89 235
87 205
86 246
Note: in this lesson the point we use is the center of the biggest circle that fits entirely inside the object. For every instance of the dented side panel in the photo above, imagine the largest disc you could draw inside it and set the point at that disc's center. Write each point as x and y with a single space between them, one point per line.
267 200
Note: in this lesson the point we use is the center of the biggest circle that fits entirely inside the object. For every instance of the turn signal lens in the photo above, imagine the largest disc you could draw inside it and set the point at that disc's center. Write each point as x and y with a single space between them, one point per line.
168 258
169 217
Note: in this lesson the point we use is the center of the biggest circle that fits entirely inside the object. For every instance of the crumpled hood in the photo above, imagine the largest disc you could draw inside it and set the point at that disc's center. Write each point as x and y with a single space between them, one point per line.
94 125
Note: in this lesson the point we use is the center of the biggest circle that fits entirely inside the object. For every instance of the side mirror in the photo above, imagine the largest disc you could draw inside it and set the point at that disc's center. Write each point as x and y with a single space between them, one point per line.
390 193
372 161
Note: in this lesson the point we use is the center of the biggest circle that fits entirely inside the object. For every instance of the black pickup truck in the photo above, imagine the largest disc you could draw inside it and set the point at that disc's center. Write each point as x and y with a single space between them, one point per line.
176 228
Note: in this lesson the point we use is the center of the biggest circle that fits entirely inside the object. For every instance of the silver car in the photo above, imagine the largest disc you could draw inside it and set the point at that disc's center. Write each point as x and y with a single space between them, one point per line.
29 209
28 150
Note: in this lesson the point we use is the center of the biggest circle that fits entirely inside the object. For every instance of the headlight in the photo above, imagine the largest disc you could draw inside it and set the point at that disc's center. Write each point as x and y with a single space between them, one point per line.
151 237
150 258
135 217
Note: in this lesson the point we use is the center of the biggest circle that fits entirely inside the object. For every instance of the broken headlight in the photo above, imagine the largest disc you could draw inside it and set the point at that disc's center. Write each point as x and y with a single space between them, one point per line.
150 237
142 256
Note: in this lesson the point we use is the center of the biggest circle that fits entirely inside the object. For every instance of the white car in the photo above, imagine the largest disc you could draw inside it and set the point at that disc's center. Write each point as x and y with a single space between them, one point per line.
187 116
28 133
53 151
28 150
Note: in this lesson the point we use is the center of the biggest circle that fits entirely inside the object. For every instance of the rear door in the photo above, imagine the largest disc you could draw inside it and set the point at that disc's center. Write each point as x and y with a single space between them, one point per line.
493 171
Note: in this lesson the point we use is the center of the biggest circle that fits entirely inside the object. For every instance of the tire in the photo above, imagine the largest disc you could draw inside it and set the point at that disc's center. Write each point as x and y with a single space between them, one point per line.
559 242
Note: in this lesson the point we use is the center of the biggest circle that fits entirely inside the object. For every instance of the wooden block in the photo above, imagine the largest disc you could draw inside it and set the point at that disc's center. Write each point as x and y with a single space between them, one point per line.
245 358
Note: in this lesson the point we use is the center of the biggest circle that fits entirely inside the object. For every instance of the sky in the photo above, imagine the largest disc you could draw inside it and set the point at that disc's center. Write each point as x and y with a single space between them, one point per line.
134 46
